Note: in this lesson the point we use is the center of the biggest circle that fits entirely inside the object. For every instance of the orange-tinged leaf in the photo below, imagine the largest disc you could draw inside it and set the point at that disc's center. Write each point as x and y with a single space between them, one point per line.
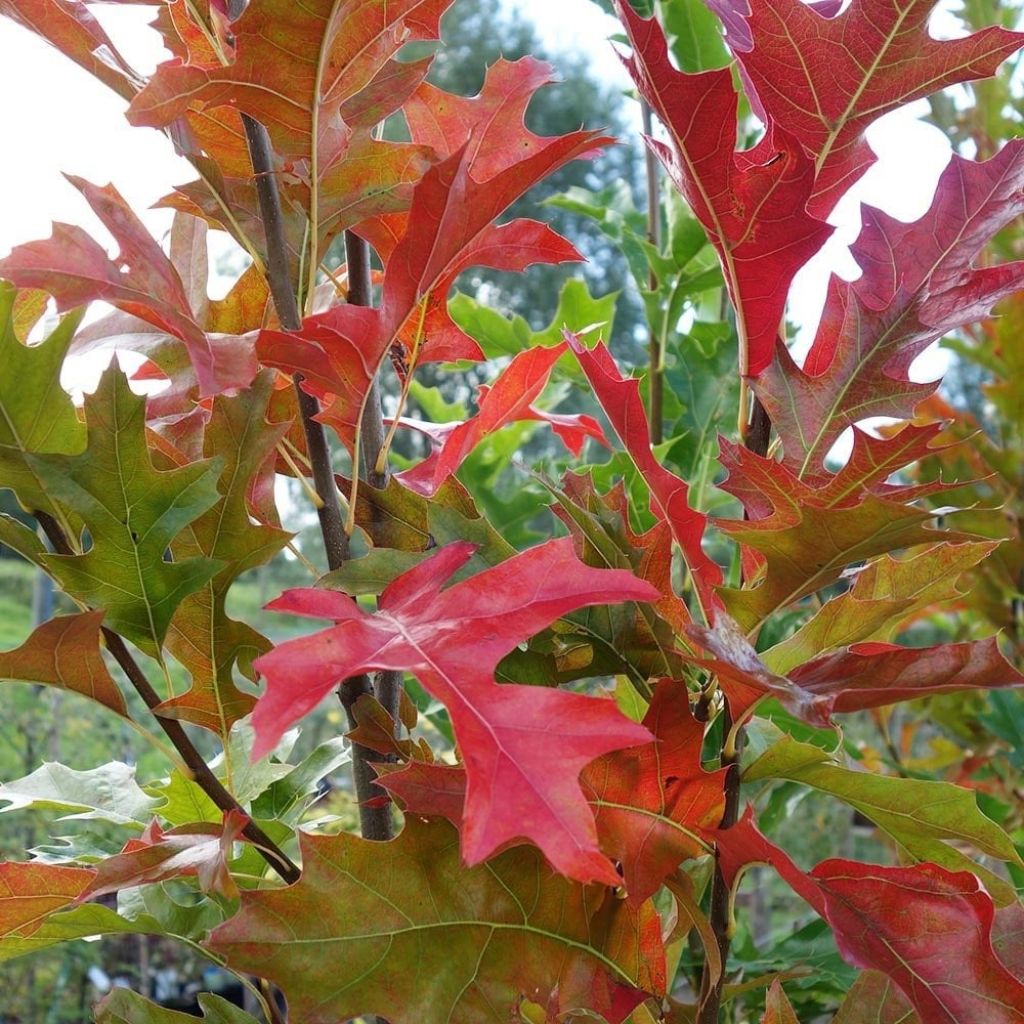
511 736
30 892
65 652
777 1009
309 72
403 930
202 636
74 30
651 801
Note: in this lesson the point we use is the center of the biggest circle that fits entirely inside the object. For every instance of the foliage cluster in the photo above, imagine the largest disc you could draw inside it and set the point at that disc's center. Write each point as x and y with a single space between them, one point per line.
581 705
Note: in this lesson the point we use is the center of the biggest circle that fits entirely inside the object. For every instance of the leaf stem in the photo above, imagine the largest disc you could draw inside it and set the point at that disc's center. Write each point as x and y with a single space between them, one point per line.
756 438
194 762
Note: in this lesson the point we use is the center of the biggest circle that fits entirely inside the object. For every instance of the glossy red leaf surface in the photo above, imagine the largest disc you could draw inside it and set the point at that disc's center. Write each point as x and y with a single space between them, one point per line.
508 400
452 640
751 203
620 399
874 56
652 802
928 929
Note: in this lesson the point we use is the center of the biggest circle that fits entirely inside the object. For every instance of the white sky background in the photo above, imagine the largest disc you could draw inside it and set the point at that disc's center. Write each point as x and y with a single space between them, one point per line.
57 118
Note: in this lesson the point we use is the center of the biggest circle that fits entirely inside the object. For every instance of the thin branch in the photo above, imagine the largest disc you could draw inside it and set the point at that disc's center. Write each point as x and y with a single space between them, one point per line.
175 732
332 524
656 356
374 806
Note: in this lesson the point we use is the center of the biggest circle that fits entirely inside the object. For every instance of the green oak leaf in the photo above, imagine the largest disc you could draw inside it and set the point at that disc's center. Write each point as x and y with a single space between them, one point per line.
123 1006
202 636
108 793
132 512
922 817
37 417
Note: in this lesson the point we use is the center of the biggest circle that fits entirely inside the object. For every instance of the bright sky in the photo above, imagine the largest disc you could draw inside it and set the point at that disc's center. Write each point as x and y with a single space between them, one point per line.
64 121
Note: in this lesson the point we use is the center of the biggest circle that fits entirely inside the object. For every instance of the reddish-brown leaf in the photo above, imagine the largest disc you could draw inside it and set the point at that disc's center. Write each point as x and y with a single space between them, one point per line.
65 652
866 675
824 76
651 801
201 850
777 1008
919 283
511 736
752 203
403 930
508 400
928 929
621 401
310 72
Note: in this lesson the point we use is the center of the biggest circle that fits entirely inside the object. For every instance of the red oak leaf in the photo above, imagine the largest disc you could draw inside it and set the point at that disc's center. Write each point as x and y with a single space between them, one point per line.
651 801
30 892
919 283
855 678
930 930
75 270
511 736
752 203
508 400
200 850
824 76
621 401
391 918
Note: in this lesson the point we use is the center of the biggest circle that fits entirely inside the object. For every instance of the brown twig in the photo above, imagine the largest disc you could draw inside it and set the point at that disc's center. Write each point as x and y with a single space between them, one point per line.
332 524
173 729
